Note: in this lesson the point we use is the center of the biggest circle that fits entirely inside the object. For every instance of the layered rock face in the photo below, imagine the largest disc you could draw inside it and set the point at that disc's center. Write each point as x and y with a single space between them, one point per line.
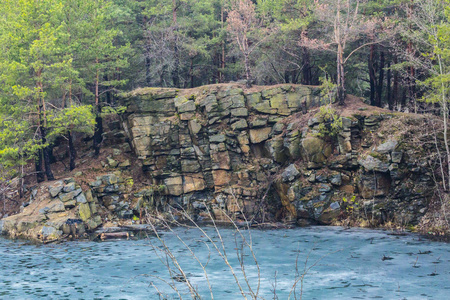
265 154
262 153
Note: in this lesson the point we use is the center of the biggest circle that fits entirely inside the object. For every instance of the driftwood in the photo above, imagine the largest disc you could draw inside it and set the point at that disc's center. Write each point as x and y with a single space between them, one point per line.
114 235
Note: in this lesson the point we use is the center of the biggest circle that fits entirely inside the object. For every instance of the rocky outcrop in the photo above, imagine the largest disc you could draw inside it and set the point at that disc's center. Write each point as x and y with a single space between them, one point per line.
263 153
58 209
267 153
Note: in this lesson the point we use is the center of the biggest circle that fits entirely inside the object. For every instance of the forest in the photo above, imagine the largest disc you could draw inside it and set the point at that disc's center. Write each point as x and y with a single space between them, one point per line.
62 62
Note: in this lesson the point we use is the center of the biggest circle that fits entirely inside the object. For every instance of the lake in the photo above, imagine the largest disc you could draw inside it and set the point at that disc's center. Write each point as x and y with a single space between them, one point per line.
341 264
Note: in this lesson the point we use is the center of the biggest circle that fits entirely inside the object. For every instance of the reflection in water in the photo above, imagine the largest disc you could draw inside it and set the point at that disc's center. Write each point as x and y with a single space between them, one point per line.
358 264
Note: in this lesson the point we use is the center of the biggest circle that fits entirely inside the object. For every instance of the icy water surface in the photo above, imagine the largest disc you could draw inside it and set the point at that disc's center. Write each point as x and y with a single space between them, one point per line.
345 264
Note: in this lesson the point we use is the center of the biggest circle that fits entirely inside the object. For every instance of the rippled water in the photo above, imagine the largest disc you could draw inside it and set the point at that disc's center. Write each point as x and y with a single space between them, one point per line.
355 264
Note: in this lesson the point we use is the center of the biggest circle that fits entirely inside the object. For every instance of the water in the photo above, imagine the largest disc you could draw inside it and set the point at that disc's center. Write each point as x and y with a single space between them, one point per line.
343 264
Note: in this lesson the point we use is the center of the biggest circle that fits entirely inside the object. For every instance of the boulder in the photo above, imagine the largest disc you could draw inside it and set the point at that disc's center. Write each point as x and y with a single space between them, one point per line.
55 188
290 173
387 146
371 163
259 135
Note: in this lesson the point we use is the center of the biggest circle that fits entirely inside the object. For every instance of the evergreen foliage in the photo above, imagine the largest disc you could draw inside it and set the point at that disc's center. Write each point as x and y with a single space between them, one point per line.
63 61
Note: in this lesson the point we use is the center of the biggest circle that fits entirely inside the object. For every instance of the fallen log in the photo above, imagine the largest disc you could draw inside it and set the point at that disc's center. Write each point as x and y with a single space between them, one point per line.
114 235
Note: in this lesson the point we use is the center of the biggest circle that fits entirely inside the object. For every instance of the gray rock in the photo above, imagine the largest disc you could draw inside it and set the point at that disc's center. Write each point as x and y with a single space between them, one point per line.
259 122
290 173
315 121
44 210
81 198
69 196
335 205
336 179
1 226
387 146
111 162
312 178
48 231
241 124
56 207
109 179
117 152
324 188
69 187
125 164
55 188
277 128
397 157
218 138
186 107
239 112
70 204
96 183
371 163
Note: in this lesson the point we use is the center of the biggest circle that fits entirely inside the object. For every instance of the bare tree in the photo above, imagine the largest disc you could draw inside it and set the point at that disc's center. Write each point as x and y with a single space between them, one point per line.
341 24
246 30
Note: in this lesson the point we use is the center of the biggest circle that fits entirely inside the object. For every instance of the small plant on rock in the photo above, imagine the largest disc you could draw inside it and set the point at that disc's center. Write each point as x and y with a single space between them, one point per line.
331 122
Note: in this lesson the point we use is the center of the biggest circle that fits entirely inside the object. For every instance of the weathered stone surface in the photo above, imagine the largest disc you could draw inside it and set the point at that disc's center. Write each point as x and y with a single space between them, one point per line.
221 178
397 157
195 126
220 160
50 233
239 112
276 150
55 188
188 106
69 187
264 107
84 211
174 185
193 183
64 197
315 149
125 164
371 163
259 135
81 198
290 173
190 166
336 179
241 124
109 179
387 146
218 138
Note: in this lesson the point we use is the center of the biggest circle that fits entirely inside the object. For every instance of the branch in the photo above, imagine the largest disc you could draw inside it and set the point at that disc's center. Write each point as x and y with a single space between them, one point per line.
362 46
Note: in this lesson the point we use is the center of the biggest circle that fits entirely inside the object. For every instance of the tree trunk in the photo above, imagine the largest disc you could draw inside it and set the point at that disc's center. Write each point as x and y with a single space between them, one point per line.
222 62
247 70
42 129
98 131
176 70
340 76
191 72
372 79
395 87
380 80
98 119
388 86
306 71
40 176
72 152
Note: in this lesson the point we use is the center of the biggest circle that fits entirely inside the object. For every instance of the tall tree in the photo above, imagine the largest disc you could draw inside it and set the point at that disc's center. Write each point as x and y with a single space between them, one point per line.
342 23
100 57
246 31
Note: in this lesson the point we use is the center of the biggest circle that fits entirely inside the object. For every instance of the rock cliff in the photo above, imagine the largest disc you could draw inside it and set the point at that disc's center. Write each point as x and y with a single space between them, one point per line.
268 154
